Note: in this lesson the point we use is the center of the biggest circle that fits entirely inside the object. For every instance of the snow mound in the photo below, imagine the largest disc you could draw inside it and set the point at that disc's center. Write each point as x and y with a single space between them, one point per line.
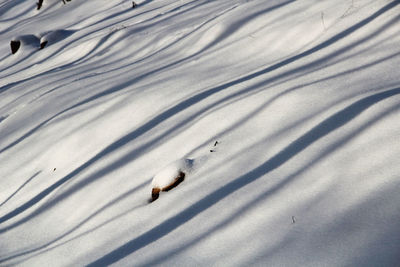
54 36
28 40
167 175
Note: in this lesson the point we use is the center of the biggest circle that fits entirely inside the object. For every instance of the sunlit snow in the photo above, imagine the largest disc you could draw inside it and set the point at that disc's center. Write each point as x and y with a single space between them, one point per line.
284 116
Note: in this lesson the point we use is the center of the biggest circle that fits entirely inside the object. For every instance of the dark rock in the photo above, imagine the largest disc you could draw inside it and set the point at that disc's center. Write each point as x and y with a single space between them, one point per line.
39 4
15 45
43 44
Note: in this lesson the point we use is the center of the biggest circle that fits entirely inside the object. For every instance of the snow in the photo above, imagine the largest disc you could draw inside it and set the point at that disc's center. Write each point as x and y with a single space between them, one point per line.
167 175
302 96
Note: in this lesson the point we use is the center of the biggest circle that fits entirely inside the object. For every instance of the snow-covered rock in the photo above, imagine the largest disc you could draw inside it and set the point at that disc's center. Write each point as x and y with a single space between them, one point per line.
171 176
168 174
54 36
23 41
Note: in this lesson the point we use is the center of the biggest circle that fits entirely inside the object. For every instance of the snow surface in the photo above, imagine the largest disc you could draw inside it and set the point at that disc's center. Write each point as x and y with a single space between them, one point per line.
302 96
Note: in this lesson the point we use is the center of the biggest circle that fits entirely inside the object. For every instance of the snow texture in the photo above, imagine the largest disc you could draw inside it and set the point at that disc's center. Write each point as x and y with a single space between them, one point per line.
303 98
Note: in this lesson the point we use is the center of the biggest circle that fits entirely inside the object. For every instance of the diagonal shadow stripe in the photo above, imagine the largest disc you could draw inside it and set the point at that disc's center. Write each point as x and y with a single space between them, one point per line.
324 128
19 188
168 113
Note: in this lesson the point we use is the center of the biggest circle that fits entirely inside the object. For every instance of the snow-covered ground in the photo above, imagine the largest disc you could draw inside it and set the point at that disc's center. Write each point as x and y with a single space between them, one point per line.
303 98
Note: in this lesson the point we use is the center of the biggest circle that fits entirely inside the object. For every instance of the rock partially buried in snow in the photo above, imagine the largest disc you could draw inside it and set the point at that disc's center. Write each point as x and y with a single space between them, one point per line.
53 37
170 176
39 4
15 44
23 40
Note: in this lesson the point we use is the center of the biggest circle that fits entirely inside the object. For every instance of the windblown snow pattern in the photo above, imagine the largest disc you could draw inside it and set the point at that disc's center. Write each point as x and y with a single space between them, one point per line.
302 97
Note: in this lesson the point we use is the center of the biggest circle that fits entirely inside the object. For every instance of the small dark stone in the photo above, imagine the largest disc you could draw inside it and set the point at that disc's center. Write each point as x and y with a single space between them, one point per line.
43 44
155 193
15 45
39 4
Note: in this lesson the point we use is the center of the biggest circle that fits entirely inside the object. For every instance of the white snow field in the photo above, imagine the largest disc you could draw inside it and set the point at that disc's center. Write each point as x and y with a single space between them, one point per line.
303 98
